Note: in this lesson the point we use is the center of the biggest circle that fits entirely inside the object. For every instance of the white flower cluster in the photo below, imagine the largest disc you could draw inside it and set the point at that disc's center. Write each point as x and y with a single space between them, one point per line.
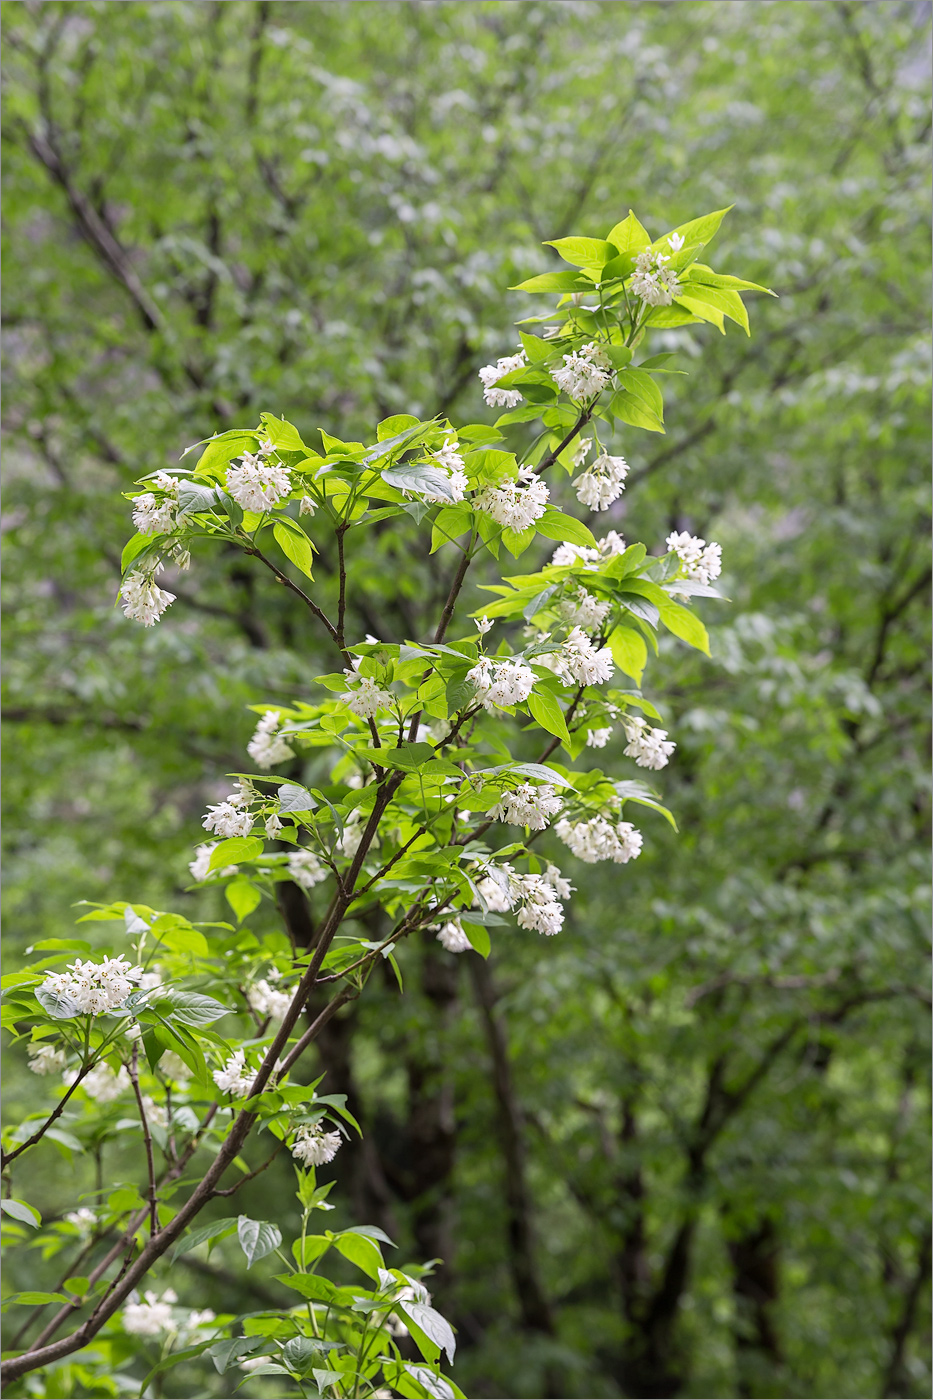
584 373
449 459
156 514
257 484
267 747
156 1113
45 1058
585 610
231 817
527 805
452 937
702 562
235 1078
515 505
602 482
92 988
365 696
501 683
566 554
598 738
83 1219
349 843
578 660
650 748
102 1084
313 1147
142 600
599 839
268 1000
152 1315
490 376
652 281
306 869
537 896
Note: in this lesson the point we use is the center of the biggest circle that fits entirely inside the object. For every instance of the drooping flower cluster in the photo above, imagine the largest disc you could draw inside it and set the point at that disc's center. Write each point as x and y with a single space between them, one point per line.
150 1316
449 459
452 937
515 505
584 373
652 281
585 610
537 896
155 514
228 818
102 1084
599 839
236 1077
89 989
490 376
267 1000
500 684
702 562
602 482
314 1148
650 748
578 660
267 747
528 805
598 738
45 1058
610 544
306 869
365 696
143 601
257 484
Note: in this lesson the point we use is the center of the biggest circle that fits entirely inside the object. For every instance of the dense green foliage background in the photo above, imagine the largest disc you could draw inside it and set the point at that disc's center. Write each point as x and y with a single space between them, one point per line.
682 1149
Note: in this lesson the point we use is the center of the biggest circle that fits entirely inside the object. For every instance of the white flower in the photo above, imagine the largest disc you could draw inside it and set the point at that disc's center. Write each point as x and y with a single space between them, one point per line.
484 625
156 1115
652 281
583 373
267 747
142 600
536 895
675 242
200 1319
528 806
490 376
45 1058
567 554
273 825
268 1001
235 1078
83 1219
561 887
226 820
306 506
602 482
598 839
101 1085
306 869
155 514
367 698
702 562
313 1147
199 867
578 453
257 485
585 610
174 1067
150 1317
349 842
448 458
650 748
515 505
501 683
598 738
540 908
580 660
91 988
496 890
452 937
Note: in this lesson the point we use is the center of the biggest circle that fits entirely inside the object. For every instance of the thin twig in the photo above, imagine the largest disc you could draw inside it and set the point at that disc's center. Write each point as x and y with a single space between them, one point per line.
147 1140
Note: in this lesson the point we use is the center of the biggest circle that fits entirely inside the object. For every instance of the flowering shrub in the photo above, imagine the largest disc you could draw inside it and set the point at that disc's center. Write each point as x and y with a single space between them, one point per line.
435 800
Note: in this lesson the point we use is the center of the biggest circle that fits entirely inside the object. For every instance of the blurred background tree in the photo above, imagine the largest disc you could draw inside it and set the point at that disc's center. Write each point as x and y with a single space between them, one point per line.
682 1150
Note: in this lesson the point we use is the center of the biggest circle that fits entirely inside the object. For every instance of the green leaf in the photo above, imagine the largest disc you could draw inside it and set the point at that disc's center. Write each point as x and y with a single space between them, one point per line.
282 434
421 478
295 798
192 1008
396 425
635 791
685 625
640 383
555 525
21 1211
629 236
547 711
629 652
478 936
449 524
537 350
699 272
635 412
257 1238
553 282
362 1252
516 543
224 1354
193 497
295 545
432 1324
33 1300
220 452
132 548
697 232
312 1286
212 1231
583 252
243 897
235 849
724 301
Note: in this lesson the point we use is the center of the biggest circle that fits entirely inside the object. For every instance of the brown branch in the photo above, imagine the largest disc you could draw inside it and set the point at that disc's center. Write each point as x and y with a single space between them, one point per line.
8 1157
147 1141
231 1190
